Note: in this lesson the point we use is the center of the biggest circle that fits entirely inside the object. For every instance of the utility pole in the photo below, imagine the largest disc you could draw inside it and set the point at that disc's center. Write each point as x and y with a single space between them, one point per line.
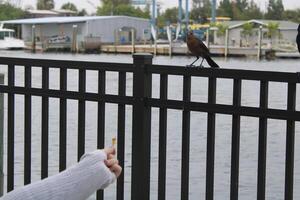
213 11
179 12
187 18
153 12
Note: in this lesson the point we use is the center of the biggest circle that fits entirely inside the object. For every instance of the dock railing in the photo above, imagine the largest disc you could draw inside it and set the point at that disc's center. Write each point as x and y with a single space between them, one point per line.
142 102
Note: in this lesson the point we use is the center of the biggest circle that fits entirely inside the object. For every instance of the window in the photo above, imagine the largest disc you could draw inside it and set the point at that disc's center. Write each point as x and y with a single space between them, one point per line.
1 35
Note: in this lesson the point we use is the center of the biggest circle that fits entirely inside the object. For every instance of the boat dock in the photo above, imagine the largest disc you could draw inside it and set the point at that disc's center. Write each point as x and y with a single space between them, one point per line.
181 49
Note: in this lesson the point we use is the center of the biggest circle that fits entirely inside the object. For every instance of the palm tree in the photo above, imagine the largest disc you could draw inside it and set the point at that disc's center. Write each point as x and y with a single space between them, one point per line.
247 31
272 30
221 29
45 4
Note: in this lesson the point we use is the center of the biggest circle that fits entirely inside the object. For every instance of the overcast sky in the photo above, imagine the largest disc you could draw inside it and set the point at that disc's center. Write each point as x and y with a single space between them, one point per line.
165 3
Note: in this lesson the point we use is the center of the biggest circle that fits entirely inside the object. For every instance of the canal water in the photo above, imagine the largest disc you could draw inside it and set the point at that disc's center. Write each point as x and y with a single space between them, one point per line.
249 127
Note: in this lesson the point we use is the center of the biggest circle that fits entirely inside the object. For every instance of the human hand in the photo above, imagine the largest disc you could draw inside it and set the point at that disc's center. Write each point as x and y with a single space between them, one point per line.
112 163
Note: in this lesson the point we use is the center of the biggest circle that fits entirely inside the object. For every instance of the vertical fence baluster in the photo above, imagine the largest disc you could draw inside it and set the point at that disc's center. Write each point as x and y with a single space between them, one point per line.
101 118
290 144
141 128
1 137
210 155
27 127
162 155
262 143
121 135
81 113
235 145
45 123
185 152
10 129
63 121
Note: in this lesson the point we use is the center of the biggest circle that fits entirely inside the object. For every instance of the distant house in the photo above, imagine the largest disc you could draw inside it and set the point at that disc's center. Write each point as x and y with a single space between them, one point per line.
104 29
287 32
49 13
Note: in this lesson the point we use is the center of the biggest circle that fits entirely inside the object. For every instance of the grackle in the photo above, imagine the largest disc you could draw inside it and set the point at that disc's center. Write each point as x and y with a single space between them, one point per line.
298 38
198 49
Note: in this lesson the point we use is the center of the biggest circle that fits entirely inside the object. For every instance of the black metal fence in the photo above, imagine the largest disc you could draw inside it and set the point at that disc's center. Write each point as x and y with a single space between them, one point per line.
142 102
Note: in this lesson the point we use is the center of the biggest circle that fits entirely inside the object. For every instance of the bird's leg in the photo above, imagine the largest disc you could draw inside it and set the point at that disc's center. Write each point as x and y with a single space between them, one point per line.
191 65
201 63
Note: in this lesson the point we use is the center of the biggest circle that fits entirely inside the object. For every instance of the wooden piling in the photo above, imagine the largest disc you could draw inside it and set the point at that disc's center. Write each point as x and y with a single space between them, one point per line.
226 43
116 40
259 43
207 37
133 41
170 40
170 48
155 43
33 48
74 39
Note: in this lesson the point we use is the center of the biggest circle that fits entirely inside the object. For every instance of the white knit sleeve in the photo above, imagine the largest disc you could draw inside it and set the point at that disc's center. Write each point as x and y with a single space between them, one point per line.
75 183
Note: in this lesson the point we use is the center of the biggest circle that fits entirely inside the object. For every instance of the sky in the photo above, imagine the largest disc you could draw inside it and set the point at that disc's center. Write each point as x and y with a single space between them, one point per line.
90 5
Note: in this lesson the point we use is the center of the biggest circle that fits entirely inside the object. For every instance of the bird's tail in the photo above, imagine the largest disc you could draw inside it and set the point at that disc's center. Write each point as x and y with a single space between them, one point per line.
211 62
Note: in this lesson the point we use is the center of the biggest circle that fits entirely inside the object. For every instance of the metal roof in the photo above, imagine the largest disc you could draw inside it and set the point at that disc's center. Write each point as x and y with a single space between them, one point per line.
283 25
51 12
62 20
48 12
64 11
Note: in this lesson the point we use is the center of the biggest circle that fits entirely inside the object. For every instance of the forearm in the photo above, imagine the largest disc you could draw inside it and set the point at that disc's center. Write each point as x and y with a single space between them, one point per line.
76 183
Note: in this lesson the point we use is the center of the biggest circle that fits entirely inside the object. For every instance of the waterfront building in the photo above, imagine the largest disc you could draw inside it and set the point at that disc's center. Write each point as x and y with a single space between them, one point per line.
285 35
62 32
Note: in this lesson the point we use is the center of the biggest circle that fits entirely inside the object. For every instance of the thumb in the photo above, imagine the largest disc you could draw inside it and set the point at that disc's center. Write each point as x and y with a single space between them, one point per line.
110 150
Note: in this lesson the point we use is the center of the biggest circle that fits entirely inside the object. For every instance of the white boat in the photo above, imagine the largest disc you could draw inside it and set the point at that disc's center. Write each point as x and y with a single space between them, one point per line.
8 40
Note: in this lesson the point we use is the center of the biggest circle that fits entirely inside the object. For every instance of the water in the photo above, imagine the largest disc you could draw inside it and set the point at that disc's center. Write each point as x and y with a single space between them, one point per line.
249 127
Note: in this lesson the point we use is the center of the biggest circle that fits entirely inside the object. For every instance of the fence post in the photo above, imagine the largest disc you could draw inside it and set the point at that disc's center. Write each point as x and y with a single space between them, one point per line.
259 43
33 35
74 48
132 41
1 137
141 128
226 43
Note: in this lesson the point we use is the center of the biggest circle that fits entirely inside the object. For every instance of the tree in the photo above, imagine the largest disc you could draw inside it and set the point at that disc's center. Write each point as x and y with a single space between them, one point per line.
272 30
8 12
122 9
292 15
82 12
221 29
114 3
241 4
225 8
201 10
45 4
170 15
161 21
239 9
253 11
275 10
69 6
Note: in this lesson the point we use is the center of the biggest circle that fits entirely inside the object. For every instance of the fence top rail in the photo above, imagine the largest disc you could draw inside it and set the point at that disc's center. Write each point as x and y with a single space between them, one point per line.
226 73
70 64
157 69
